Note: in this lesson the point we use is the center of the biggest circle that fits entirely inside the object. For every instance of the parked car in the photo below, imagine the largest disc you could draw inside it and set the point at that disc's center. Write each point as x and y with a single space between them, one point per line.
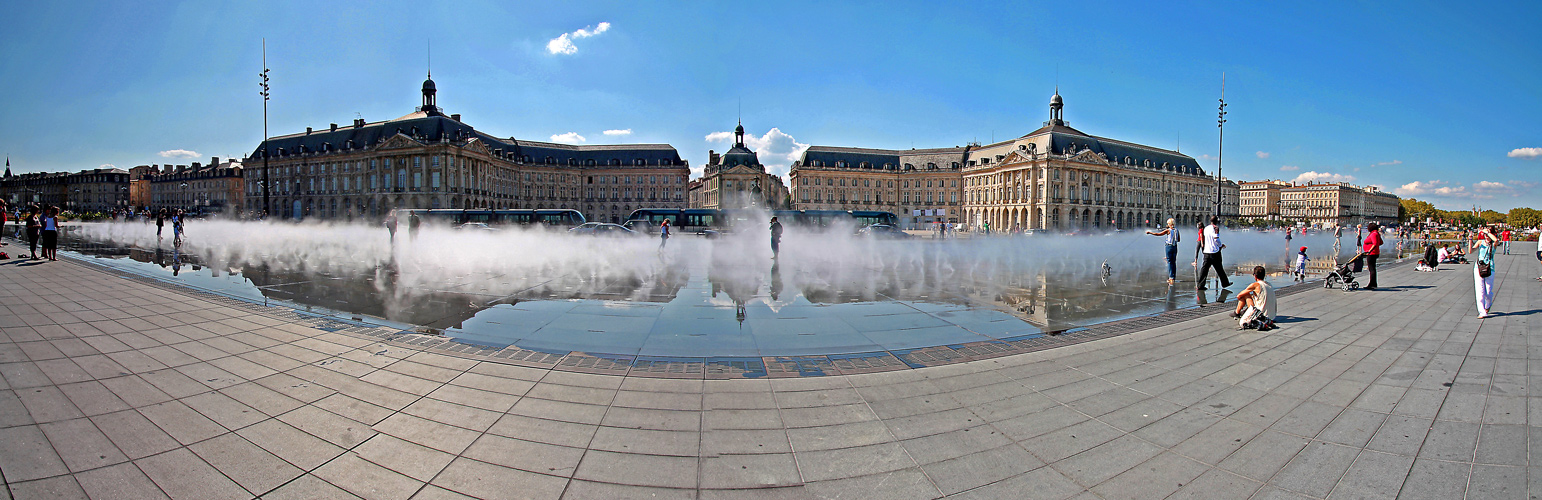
601 229
883 231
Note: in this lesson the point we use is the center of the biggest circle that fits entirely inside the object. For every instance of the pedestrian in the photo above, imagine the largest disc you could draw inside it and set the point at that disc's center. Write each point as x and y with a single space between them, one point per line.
1370 251
1172 239
160 222
50 233
34 230
1359 235
1506 237
1212 251
176 227
1482 250
413 222
663 234
1287 236
776 238
390 224
1301 259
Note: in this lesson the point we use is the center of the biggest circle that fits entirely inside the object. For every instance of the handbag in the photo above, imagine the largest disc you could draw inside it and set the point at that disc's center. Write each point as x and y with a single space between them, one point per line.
1484 270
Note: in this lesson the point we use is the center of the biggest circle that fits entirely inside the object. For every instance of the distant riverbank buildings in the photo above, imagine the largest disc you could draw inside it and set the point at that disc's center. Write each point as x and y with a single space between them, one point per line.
1054 178
427 159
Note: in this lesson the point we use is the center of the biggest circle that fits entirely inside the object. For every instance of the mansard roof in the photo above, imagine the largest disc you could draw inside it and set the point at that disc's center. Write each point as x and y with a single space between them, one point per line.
427 128
1063 138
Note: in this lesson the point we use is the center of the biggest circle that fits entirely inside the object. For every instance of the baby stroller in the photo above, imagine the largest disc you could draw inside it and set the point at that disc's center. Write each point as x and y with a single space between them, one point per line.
1343 276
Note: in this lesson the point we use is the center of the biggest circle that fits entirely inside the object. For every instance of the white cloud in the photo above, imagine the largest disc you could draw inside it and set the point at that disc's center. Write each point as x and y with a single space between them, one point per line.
569 138
1385 163
1432 188
624 131
776 149
1289 168
563 44
1482 190
1207 157
1320 177
1262 155
1523 184
108 165
179 153
1526 153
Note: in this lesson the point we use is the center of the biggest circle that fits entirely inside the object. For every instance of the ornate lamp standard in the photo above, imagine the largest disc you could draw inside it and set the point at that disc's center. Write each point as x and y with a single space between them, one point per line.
266 199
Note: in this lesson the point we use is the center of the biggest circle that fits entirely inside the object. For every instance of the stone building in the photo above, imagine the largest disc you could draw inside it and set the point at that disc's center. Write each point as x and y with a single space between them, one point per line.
736 179
96 190
139 185
1337 204
1231 199
1059 178
1261 199
213 188
921 186
427 159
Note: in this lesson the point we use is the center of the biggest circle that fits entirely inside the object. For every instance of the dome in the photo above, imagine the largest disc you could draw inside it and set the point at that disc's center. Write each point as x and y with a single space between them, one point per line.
1055 101
428 85
739 130
739 155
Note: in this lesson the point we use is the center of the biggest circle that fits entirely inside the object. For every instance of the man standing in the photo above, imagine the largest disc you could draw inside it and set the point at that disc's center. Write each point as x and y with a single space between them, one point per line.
1212 251
1506 237
776 238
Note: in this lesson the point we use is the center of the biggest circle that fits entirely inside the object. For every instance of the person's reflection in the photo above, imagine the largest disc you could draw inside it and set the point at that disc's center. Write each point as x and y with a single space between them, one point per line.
160 257
776 280
1172 298
176 260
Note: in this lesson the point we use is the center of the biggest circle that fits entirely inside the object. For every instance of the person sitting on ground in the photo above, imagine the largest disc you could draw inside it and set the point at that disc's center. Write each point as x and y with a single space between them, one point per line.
1443 255
1256 304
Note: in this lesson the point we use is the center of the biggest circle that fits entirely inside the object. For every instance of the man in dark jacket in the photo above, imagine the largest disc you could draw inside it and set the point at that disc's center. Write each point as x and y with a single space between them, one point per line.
776 238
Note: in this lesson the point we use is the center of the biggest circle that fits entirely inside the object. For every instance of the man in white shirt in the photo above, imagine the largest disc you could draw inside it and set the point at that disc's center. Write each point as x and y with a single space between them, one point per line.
1212 254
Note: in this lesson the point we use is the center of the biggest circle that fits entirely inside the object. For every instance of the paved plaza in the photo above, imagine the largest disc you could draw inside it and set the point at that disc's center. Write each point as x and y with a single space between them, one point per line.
115 388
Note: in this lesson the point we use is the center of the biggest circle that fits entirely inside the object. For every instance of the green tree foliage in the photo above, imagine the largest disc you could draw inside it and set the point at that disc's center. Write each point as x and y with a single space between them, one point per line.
1421 209
1524 217
1492 217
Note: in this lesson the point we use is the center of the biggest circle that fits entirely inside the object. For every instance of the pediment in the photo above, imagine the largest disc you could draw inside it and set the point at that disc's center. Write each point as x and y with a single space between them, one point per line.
1089 156
477 146
400 140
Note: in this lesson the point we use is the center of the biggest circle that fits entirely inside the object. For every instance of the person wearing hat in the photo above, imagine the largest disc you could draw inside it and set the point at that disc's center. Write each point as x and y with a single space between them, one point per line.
1370 250
1301 259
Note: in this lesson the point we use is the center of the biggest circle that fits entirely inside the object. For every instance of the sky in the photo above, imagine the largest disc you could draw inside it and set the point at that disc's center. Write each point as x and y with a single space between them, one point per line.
1437 101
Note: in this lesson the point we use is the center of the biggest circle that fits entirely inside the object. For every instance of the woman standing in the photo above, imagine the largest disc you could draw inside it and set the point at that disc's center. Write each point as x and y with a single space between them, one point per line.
1482 250
663 234
1171 232
1371 249
34 230
50 233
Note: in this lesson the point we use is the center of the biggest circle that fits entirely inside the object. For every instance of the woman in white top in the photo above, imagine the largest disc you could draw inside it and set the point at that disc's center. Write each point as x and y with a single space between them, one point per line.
1171 232
1483 258
51 234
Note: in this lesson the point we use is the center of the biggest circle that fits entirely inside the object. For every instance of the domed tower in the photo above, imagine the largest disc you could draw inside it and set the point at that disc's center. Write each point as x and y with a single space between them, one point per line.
429 93
739 154
1055 106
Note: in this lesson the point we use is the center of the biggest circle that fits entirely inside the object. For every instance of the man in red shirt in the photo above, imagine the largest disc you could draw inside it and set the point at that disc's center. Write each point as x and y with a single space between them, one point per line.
1506 237
1370 250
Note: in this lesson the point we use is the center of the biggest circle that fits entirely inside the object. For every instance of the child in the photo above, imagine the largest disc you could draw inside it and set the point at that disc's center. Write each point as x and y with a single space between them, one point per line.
1301 259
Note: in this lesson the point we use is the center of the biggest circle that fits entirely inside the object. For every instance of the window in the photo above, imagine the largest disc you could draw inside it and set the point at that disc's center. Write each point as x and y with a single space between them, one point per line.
434 179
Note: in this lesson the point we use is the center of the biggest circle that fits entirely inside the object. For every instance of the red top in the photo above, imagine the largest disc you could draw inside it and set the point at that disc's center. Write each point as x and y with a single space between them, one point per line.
1507 235
1373 243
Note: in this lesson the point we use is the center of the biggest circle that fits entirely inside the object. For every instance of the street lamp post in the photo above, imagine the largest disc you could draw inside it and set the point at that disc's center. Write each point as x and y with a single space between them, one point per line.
1220 123
266 199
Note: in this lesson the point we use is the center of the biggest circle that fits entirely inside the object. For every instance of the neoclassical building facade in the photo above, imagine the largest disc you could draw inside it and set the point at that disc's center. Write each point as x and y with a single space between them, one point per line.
921 186
427 159
736 179
1059 178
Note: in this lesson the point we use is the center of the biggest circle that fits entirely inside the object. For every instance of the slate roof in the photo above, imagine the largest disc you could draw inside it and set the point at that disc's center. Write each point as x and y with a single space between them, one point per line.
1064 138
433 128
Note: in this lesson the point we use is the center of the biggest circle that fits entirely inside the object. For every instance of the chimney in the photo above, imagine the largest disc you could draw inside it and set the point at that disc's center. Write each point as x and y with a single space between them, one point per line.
214 161
455 117
334 127
307 131
712 157
196 165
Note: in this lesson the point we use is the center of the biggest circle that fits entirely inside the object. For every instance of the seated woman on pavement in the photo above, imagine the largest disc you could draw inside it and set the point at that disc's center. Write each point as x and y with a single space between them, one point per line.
1256 305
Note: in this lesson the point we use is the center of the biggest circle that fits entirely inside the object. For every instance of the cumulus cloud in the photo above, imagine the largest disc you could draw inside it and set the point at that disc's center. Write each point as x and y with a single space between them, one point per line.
563 44
108 165
1262 155
623 131
1526 153
776 149
1320 177
179 153
1481 190
1432 188
569 138
1385 163
1289 168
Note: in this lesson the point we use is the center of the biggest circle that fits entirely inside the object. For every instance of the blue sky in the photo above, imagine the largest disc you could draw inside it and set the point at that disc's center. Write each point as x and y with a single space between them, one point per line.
1438 101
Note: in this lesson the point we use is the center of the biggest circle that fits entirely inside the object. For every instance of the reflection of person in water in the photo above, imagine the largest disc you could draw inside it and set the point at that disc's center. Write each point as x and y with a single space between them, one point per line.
776 276
176 260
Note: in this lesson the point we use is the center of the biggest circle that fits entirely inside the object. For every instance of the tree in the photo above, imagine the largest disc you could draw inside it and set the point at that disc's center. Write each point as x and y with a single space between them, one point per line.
1492 217
1420 209
1524 217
